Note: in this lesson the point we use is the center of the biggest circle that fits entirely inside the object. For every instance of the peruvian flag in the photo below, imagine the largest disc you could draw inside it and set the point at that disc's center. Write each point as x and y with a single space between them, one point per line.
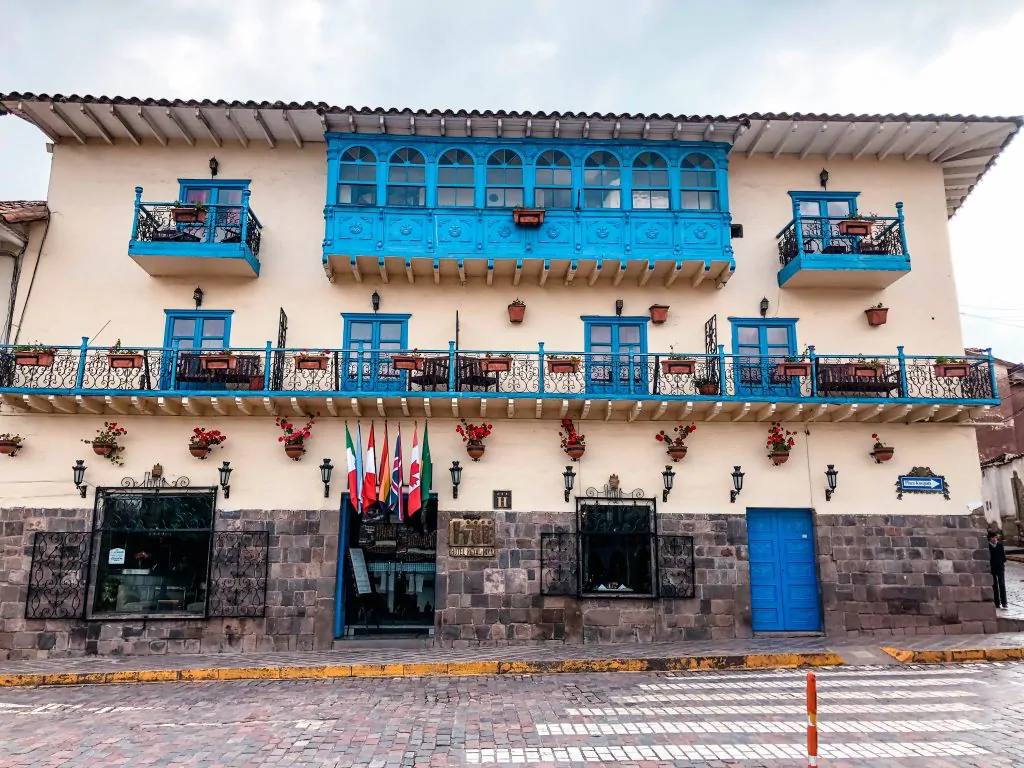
415 502
370 474
353 469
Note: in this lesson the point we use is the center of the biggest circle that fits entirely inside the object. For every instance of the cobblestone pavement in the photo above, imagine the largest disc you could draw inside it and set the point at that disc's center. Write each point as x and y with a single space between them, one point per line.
1014 592
871 716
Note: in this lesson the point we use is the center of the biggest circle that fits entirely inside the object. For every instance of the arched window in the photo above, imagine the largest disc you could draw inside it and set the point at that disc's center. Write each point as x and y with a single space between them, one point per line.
650 181
407 178
553 187
455 179
699 183
358 177
504 180
601 181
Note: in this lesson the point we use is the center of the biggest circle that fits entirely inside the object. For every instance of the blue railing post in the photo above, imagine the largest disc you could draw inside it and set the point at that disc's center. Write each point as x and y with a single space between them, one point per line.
902 359
451 366
992 373
540 368
245 216
903 231
798 228
80 379
721 371
359 372
632 364
138 205
812 358
266 369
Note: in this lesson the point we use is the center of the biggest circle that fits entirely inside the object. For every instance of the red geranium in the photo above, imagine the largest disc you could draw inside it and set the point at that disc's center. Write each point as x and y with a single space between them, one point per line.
680 437
201 438
471 433
780 440
294 435
570 436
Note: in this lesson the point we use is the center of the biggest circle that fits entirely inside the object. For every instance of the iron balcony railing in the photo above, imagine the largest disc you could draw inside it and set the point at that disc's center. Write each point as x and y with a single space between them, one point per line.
838 236
211 224
537 373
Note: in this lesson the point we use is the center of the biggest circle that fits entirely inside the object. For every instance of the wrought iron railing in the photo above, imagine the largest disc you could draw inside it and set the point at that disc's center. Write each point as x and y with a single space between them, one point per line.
210 224
875 236
539 373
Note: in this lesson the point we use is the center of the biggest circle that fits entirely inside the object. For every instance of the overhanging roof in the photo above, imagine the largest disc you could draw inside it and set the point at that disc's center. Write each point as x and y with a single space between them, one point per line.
965 145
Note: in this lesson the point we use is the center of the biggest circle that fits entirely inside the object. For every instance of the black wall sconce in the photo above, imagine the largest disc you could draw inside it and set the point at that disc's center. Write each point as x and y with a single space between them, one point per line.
214 166
456 470
570 480
831 477
618 307
668 477
197 297
225 478
325 476
375 301
737 484
823 178
764 306
78 475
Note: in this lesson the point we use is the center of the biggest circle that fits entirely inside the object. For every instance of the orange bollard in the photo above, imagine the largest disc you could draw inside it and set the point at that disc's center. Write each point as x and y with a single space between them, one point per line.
812 721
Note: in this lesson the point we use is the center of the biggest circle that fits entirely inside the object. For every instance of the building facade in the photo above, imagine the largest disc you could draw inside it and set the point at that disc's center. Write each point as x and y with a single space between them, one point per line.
226 266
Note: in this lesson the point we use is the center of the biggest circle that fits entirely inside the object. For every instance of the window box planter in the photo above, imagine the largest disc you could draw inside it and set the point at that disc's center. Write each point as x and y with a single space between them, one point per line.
793 370
677 452
528 217
678 367
104 449
124 360
855 227
779 457
294 451
218 362
659 313
516 312
188 215
563 365
475 449
311 362
708 388
575 451
883 454
864 371
42 358
499 364
951 370
9 447
877 315
407 362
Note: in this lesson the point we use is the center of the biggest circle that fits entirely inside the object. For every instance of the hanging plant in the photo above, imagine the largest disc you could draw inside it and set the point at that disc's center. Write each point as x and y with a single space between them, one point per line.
473 436
105 443
294 438
676 446
880 451
10 444
573 443
780 443
202 442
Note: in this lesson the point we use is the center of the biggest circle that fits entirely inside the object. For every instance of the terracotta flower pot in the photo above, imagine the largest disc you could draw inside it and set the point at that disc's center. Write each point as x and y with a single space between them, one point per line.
779 457
951 370
103 449
563 365
516 312
883 454
496 364
680 367
475 450
677 452
528 217
188 215
9 447
407 362
37 359
218 362
877 315
294 450
708 389
575 451
311 362
793 369
858 371
119 360
659 313
199 451
855 227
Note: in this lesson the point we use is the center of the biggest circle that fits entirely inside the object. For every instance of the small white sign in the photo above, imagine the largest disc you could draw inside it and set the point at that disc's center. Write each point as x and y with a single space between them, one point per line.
116 557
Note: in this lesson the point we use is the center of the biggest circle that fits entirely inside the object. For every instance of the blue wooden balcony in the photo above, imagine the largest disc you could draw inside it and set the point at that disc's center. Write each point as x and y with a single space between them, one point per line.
212 240
822 252
538 383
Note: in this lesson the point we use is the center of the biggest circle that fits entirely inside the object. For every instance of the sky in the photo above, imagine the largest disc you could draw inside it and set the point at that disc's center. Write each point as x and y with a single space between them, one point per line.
667 56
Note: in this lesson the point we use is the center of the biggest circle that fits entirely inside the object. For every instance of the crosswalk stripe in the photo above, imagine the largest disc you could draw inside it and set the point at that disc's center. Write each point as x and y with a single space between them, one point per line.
832 673
727 726
892 693
776 709
798 682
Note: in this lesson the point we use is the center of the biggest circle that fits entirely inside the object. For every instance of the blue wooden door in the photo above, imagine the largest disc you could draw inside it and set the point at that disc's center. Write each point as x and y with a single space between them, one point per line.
366 361
617 361
759 348
783 571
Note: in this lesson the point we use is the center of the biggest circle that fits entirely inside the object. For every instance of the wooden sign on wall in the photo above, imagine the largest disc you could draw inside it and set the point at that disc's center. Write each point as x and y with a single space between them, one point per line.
470 538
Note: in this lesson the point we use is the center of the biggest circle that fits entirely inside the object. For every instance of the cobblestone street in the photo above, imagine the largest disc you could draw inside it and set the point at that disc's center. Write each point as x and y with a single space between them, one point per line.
935 716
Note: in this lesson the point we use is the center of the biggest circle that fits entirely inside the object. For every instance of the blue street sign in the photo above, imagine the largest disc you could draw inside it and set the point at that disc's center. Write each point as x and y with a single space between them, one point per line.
922 484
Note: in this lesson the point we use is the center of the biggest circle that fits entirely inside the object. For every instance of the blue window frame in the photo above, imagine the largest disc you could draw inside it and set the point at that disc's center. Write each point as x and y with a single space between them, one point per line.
553 180
650 182
407 178
602 181
369 342
455 185
223 201
357 177
504 187
616 350
759 345
698 183
820 214
186 330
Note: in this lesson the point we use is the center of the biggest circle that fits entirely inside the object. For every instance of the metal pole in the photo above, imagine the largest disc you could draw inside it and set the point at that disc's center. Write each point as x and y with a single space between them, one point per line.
812 721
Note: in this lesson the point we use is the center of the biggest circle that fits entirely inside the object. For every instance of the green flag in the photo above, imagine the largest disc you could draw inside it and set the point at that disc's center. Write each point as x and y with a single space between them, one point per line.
427 472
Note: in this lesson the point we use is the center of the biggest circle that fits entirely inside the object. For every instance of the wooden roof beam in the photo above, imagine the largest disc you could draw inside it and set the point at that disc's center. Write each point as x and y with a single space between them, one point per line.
242 138
758 136
116 114
921 140
850 128
266 131
891 143
214 137
88 114
157 133
867 142
291 127
181 127
57 112
810 142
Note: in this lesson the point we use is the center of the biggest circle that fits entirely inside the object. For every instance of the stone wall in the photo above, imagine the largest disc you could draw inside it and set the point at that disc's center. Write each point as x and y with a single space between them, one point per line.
302 555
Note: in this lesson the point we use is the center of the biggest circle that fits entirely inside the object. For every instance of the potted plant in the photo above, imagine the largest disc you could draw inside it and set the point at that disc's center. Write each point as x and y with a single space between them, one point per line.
659 313
563 364
494 362
202 441
294 438
794 366
516 311
120 357
951 367
676 446
877 315
311 361
473 436
866 369
881 452
10 444
189 213
34 354
528 217
706 384
410 362
573 443
105 443
780 443
677 364
856 225
223 360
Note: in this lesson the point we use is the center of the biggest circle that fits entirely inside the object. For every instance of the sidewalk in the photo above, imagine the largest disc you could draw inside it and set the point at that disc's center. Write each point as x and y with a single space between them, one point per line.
380 661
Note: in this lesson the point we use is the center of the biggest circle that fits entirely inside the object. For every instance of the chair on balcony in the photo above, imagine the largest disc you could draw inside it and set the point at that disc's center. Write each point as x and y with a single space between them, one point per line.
433 374
472 374
835 378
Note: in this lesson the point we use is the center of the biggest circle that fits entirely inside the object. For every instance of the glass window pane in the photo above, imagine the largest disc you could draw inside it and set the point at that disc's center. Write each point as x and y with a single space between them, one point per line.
464 197
592 176
777 335
689 179
746 334
495 176
446 196
641 198
810 208
184 343
562 177
231 196
690 200
659 199
600 333
629 334
212 343
593 198
213 326
360 331
390 331
709 201
612 178
183 326
197 195
514 176
838 207
513 198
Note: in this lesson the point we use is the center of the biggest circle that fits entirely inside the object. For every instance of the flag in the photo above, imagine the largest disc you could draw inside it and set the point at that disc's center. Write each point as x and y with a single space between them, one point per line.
357 500
427 470
384 486
395 499
415 502
351 455
370 473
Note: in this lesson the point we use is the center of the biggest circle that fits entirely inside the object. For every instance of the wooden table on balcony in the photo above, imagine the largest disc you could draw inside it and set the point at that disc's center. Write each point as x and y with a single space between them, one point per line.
246 371
841 377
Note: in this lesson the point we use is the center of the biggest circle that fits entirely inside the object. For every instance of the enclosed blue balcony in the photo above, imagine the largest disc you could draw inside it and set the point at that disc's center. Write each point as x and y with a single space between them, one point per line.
409 208
841 251
196 239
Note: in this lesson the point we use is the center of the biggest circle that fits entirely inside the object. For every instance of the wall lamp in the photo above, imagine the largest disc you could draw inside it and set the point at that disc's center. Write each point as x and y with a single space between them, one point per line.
668 477
618 307
737 484
325 476
823 178
764 306
214 166
78 474
831 476
197 297
375 301
456 470
570 479
225 478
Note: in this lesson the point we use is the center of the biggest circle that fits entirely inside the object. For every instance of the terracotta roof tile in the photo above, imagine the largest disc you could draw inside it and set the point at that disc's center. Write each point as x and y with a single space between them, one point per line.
18 211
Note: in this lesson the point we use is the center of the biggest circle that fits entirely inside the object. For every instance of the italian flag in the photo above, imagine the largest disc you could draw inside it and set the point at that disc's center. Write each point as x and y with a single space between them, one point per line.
353 469
370 474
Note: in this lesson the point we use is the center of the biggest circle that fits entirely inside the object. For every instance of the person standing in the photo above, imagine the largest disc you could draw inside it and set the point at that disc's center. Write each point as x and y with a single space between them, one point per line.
997 559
